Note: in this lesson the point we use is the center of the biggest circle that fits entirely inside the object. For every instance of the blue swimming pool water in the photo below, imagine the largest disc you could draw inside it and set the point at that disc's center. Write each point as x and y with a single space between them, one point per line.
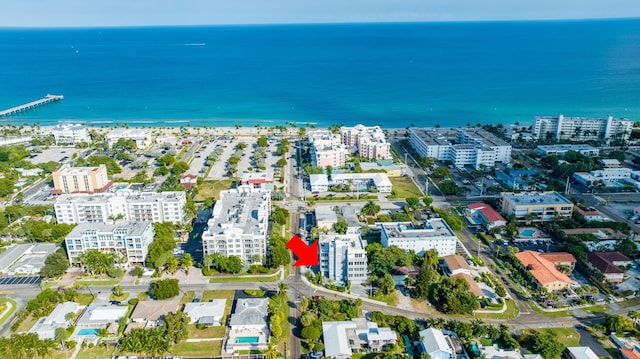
87 332
120 187
247 339
527 232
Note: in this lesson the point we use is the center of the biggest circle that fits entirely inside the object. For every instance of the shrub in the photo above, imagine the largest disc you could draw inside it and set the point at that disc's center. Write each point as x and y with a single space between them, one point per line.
133 301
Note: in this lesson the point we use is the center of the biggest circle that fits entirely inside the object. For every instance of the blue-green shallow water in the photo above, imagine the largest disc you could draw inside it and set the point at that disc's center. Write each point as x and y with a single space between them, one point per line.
388 74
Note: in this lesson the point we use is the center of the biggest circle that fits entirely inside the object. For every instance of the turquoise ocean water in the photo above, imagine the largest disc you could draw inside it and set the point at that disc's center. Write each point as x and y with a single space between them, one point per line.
389 74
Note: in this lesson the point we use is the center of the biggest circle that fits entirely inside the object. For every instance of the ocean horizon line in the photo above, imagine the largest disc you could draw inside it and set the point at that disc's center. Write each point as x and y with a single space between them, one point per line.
322 23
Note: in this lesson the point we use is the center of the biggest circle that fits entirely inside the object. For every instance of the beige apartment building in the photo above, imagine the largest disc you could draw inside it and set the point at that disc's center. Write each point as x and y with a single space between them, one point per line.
536 207
80 179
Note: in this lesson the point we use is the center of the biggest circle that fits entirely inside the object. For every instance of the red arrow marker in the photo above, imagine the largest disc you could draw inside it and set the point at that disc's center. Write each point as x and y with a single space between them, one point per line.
307 255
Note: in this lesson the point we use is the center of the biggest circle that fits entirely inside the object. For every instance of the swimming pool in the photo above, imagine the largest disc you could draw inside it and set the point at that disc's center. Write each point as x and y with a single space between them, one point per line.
87 332
120 187
527 232
247 339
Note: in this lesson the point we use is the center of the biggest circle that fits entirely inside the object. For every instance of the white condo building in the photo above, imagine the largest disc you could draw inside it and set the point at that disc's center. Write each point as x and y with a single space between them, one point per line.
436 234
582 128
326 149
123 205
128 240
463 147
358 182
70 134
142 137
370 142
238 225
342 257
609 177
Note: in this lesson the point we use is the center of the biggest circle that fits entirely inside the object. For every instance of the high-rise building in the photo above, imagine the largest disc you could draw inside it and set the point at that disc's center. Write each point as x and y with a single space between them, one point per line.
238 225
326 149
342 258
370 142
582 128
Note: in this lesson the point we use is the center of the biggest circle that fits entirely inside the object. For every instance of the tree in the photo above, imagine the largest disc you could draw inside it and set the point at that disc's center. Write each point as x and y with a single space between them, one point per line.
117 291
187 262
428 200
427 275
441 172
281 162
161 171
618 155
163 242
172 264
164 289
310 333
165 160
370 209
263 142
627 247
341 227
329 170
137 272
180 167
617 324
279 215
386 284
60 336
146 341
412 201
55 264
634 315
177 326
97 262
449 187
546 344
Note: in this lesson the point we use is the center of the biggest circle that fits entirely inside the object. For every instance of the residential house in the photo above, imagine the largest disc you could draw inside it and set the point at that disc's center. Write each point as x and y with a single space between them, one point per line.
564 259
473 286
248 326
341 339
206 313
326 217
484 214
98 315
435 344
188 180
591 214
609 264
260 180
454 264
580 353
152 312
46 327
630 353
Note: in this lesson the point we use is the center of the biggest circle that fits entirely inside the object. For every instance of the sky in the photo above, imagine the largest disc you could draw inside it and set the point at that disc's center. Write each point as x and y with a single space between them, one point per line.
93 13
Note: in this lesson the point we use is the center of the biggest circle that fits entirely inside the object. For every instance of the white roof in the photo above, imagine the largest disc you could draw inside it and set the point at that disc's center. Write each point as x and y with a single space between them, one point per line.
319 180
434 341
610 161
58 315
582 353
109 313
335 338
326 214
214 309
250 311
373 332
381 180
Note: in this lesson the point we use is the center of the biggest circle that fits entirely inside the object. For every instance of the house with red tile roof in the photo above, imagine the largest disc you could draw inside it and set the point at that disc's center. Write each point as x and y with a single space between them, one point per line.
485 214
609 264
561 259
473 286
544 271
630 353
188 180
591 215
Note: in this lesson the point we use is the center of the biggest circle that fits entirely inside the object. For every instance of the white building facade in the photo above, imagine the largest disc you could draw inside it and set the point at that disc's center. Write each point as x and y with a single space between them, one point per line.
142 137
358 182
238 225
582 128
609 177
463 147
70 134
130 241
342 258
124 205
435 234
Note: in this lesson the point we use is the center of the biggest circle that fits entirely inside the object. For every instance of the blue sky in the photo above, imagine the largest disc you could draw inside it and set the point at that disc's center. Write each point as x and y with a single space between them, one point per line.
47 13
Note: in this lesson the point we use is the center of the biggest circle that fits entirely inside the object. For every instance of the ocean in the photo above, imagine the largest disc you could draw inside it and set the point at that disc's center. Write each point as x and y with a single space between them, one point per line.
394 75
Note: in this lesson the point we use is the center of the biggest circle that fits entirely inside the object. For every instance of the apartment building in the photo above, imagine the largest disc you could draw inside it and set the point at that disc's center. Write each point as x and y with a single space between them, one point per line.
80 179
342 258
536 207
70 134
463 147
142 137
369 142
582 128
238 225
326 149
544 271
6 141
609 177
128 240
561 150
123 205
435 234
260 180
357 181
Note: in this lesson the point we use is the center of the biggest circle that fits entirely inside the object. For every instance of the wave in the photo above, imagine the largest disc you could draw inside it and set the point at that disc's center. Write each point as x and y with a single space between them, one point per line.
196 44
100 121
177 121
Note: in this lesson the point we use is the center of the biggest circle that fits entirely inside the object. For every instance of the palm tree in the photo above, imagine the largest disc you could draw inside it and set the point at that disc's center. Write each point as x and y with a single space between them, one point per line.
271 353
634 315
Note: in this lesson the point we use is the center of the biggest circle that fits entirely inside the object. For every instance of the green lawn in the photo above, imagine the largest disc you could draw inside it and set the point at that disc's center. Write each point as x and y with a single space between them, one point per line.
187 297
48 284
208 332
242 279
97 282
121 298
391 299
569 337
95 352
84 298
198 349
208 189
555 314
26 324
630 302
404 187
596 309
14 305
511 312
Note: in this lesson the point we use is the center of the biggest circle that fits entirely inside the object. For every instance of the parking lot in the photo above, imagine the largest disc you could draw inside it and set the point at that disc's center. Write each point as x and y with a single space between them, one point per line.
197 166
55 154
21 280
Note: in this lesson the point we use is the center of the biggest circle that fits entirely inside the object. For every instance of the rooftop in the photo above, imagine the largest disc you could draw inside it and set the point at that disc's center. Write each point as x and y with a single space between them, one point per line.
153 310
129 132
433 228
256 177
18 254
455 261
582 353
79 171
604 261
532 198
572 147
243 208
558 257
99 314
209 313
249 311
473 286
326 214
542 269
130 228
487 211
351 240
336 343
129 195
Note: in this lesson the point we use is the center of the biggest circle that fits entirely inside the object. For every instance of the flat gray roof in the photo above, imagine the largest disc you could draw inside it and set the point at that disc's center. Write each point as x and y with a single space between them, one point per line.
435 227
250 311
536 198
132 228
244 208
